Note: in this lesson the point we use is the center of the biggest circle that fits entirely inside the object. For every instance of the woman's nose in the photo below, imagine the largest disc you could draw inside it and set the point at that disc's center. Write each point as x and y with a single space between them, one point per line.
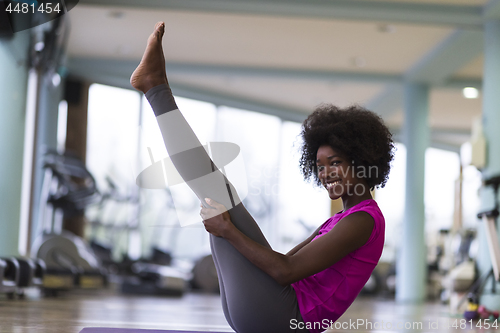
330 173
323 174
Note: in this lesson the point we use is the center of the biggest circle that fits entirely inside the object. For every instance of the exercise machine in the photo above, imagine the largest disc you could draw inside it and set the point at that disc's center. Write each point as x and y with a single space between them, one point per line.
68 188
145 276
489 219
204 275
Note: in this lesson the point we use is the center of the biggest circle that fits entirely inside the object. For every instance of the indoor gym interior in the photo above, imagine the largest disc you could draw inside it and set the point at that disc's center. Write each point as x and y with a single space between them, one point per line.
429 68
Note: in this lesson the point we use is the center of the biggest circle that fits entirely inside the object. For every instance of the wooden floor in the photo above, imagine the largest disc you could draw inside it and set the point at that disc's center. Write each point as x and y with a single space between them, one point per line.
72 312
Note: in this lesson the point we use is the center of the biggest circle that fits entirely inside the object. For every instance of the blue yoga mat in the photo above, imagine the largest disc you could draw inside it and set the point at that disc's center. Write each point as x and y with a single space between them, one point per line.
132 330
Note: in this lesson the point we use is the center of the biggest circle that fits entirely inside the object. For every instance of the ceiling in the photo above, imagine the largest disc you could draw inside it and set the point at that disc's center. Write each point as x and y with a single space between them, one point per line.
284 57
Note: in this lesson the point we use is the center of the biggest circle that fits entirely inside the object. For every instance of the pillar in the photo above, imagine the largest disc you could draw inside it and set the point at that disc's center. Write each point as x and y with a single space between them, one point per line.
49 96
411 262
491 126
77 96
13 87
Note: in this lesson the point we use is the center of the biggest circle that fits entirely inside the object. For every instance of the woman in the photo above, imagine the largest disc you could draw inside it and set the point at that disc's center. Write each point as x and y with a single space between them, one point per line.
346 151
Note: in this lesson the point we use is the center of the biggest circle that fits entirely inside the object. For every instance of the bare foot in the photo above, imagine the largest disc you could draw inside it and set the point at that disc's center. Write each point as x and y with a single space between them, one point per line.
151 70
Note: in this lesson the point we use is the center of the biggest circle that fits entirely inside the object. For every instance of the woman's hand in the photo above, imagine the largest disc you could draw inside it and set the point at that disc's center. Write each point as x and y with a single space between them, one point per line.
216 219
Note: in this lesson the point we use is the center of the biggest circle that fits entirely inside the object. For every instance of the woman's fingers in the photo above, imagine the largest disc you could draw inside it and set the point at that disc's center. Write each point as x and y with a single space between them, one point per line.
216 205
208 213
215 217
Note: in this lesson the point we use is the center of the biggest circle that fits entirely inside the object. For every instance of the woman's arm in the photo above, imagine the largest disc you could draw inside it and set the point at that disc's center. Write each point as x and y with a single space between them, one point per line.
349 234
305 242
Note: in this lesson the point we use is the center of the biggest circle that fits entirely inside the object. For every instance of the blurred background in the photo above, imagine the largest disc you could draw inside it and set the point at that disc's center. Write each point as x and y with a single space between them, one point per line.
74 135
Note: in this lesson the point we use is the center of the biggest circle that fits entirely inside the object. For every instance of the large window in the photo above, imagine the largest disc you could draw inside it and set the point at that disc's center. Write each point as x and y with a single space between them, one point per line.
391 200
302 205
124 139
442 170
112 150
163 211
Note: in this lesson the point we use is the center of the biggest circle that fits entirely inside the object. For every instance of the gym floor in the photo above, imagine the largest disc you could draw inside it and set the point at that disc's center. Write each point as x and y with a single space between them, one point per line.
72 312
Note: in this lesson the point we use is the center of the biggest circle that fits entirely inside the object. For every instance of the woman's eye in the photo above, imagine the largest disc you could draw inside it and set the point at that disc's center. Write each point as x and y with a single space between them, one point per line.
336 162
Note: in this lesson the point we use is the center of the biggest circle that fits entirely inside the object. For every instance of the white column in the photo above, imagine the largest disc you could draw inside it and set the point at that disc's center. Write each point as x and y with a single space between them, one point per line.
13 86
411 261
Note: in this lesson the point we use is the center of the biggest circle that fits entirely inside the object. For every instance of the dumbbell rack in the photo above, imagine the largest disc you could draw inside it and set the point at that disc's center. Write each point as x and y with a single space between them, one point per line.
18 274
9 276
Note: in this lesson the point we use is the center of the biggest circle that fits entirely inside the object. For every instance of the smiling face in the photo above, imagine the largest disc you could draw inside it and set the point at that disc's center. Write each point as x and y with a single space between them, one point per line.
338 175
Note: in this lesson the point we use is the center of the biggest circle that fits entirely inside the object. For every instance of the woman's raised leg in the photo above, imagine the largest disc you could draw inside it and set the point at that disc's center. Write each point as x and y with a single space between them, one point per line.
252 300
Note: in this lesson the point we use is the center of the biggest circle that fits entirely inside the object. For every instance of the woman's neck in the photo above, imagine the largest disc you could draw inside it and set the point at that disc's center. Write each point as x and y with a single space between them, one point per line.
351 201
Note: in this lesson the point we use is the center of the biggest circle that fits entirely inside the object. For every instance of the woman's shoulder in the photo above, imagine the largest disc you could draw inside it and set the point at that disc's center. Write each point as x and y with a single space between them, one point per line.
369 206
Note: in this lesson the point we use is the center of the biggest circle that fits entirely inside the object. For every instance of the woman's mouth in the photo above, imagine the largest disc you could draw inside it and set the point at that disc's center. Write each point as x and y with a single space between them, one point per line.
332 184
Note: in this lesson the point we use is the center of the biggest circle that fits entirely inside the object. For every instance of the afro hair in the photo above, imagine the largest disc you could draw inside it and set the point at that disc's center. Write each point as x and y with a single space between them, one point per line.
359 134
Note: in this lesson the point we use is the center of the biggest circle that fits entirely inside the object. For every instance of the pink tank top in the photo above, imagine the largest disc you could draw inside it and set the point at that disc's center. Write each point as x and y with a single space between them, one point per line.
328 294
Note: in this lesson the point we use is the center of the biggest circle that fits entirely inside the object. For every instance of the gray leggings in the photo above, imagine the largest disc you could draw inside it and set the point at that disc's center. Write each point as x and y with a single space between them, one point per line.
252 301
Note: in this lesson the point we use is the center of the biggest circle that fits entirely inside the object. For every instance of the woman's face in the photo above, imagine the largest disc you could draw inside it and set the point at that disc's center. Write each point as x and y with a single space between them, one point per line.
337 174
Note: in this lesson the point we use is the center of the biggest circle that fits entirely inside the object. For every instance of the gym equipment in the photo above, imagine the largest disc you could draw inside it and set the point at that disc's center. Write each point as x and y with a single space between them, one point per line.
373 285
9 276
151 279
461 277
68 188
31 273
472 306
484 313
104 249
155 276
151 276
205 275
470 315
489 219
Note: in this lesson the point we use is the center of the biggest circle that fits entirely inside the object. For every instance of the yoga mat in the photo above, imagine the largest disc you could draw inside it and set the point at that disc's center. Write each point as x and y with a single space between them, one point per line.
133 330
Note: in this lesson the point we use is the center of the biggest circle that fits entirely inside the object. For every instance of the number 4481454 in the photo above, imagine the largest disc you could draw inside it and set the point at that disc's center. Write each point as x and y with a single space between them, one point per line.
481 323
27 8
